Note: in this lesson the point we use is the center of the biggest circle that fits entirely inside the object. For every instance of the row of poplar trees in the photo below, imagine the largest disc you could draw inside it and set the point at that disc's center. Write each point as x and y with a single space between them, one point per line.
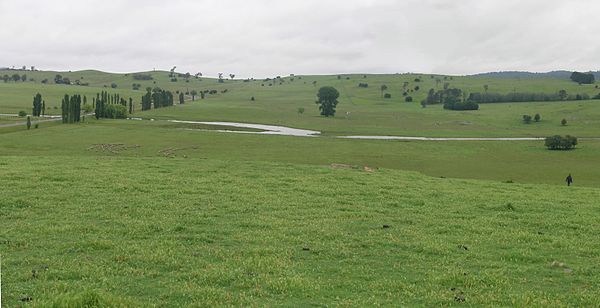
71 109
156 97
103 100
39 105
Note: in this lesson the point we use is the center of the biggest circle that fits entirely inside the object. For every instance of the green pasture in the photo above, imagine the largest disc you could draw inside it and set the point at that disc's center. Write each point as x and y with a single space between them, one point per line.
154 231
127 213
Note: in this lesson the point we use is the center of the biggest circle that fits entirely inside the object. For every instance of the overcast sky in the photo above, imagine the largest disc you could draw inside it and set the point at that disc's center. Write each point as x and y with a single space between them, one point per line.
260 38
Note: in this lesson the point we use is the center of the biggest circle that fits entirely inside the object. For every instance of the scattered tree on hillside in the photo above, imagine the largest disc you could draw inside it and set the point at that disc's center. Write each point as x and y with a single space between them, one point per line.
537 117
327 100
28 122
383 88
563 122
527 118
193 93
181 98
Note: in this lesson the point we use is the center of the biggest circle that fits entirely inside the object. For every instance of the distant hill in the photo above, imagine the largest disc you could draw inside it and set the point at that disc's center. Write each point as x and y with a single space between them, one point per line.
528 75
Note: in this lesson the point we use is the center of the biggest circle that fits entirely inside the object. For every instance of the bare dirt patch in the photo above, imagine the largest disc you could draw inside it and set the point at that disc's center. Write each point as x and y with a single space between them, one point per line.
113 148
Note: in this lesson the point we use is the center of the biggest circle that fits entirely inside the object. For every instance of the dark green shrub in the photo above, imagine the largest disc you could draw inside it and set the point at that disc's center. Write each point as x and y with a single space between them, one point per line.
561 143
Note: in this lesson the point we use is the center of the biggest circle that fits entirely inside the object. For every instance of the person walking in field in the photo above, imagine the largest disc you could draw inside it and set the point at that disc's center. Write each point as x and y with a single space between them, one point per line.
569 180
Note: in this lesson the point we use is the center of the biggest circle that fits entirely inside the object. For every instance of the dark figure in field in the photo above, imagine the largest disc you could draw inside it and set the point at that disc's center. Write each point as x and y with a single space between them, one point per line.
569 180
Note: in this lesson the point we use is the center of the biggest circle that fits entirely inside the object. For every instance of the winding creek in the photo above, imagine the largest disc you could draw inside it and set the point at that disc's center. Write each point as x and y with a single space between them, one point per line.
288 131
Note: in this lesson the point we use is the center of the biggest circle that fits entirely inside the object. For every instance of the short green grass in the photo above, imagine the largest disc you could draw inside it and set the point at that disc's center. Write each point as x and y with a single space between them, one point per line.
518 161
119 213
186 232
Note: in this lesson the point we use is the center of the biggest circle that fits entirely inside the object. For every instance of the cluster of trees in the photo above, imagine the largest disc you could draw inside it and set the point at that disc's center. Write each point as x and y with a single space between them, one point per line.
136 86
327 100
158 98
451 98
443 96
14 77
561 143
363 85
111 106
59 79
39 105
71 109
583 78
138 76
527 118
460 105
524 97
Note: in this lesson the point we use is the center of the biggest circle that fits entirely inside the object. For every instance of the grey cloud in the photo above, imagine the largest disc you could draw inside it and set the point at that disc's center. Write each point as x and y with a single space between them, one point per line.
266 37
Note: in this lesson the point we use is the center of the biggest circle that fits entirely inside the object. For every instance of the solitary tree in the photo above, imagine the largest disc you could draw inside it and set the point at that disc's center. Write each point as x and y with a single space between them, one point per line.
193 93
527 119
327 100
563 94
231 76
537 117
28 122
563 122
383 88
37 105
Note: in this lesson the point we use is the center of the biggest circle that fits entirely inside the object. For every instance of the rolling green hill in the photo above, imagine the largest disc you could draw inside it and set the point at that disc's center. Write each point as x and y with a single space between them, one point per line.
130 213
361 111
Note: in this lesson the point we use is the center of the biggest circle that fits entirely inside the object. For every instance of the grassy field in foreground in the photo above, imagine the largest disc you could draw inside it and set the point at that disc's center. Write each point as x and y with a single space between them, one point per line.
523 162
123 231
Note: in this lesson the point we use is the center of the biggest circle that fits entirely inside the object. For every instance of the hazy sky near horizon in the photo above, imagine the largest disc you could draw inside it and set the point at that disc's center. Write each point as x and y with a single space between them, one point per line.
260 38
